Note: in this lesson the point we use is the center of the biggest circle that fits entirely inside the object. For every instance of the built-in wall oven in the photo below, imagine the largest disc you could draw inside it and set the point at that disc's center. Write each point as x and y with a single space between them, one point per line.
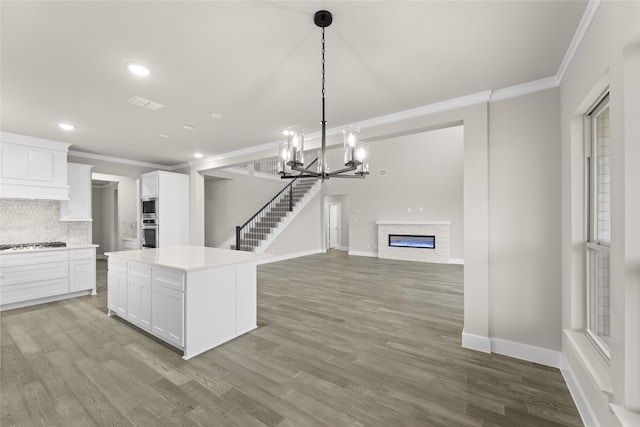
150 222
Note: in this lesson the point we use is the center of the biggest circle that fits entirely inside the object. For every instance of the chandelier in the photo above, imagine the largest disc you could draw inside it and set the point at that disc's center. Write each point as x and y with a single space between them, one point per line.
291 153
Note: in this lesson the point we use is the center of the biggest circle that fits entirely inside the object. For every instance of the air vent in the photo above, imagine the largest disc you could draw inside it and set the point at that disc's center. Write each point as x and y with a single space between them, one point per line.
382 172
145 103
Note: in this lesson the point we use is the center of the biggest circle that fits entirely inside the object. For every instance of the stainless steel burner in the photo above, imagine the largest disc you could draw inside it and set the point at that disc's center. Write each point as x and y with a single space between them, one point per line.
27 246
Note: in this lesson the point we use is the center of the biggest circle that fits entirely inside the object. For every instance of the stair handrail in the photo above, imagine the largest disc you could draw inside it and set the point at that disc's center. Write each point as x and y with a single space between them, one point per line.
289 187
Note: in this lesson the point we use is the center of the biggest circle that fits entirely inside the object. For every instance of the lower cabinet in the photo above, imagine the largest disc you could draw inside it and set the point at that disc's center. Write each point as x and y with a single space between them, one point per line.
139 295
167 314
154 305
117 291
82 269
28 278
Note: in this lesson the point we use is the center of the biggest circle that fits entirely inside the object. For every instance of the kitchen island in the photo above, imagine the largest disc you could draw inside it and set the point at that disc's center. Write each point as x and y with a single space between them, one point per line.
192 297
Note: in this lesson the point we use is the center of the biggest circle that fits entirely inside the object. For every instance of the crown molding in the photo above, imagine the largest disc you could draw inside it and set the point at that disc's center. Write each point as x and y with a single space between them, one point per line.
525 88
578 37
118 160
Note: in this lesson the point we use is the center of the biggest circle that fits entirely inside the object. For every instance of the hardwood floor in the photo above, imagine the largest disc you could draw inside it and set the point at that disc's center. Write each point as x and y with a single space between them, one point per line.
342 341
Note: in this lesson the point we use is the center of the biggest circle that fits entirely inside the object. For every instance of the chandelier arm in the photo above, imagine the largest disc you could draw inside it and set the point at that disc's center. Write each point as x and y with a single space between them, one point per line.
303 170
343 170
356 176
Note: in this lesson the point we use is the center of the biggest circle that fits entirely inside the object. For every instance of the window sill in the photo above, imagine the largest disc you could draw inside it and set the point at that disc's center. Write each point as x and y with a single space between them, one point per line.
591 360
626 418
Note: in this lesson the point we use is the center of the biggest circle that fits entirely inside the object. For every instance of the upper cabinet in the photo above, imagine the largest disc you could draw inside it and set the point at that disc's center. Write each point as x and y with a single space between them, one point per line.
78 207
149 184
32 168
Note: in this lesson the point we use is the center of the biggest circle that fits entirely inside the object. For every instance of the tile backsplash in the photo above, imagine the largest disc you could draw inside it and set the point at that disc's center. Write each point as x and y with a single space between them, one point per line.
129 229
28 221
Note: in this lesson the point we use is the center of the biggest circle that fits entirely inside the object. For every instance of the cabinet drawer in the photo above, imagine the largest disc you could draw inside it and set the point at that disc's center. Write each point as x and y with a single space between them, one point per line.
170 278
87 253
34 273
139 269
117 264
19 292
31 258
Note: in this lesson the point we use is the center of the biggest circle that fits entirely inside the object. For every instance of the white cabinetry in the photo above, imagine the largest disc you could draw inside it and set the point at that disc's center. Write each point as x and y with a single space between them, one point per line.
78 207
149 297
35 277
82 269
200 297
168 314
172 207
139 295
32 168
117 287
149 184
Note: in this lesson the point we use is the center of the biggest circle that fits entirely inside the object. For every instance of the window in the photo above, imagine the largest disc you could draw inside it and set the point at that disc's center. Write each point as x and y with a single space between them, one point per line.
599 225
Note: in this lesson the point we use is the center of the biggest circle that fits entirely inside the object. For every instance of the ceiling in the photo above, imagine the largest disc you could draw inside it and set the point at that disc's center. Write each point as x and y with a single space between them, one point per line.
256 63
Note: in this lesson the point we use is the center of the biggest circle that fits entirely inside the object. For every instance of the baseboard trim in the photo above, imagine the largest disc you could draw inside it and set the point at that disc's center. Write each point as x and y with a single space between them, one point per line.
456 261
360 253
588 418
276 258
526 352
476 342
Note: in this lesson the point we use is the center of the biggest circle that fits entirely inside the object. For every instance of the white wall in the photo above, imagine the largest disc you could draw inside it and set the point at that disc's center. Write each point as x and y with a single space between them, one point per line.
524 219
424 182
304 233
609 56
230 202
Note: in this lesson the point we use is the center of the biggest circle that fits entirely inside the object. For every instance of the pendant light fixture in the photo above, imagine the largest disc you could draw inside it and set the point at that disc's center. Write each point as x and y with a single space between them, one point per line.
291 157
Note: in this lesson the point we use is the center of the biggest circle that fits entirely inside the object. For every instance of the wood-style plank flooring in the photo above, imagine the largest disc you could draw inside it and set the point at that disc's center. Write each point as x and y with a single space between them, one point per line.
342 341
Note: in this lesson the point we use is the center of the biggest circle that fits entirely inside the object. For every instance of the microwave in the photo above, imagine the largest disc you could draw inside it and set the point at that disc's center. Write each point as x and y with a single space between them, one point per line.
150 208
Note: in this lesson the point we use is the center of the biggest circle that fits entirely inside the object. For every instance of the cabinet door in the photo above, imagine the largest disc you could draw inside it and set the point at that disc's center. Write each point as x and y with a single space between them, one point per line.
78 207
149 184
167 314
117 292
139 301
82 274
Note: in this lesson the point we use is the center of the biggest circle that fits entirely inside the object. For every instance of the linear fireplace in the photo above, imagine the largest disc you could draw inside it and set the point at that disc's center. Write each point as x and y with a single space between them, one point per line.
412 241
407 240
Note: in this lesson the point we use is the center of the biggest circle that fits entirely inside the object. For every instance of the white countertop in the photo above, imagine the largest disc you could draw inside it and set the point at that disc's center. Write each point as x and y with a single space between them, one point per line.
188 258
64 248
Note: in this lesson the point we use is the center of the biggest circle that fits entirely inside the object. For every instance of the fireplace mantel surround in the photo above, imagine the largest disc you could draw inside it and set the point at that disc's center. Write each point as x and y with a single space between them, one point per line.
439 229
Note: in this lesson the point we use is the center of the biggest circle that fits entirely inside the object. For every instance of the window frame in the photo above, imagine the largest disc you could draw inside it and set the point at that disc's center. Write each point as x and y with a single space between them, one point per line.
593 245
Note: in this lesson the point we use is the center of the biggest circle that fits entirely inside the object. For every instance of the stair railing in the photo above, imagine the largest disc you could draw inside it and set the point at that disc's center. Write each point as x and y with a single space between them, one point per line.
242 231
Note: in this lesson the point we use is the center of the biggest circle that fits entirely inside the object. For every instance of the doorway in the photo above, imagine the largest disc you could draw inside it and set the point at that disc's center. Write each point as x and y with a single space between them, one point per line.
334 225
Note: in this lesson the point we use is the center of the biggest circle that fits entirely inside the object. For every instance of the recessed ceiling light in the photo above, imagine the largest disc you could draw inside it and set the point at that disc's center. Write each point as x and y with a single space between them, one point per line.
188 127
216 116
138 70
285 132
66 126
164 135
197 155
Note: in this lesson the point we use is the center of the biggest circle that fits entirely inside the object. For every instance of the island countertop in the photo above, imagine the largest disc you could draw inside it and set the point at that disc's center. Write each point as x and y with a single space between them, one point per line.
188 258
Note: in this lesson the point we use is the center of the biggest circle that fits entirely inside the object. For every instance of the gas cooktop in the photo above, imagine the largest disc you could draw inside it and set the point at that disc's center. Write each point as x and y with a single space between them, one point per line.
27 246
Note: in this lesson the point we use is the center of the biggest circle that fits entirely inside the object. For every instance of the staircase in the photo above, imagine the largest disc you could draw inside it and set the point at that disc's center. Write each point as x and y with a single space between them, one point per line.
252 235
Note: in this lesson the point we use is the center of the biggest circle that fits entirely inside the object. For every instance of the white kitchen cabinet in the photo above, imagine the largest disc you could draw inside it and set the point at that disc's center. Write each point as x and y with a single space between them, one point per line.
82 269
117 288
139 295
78 207
172 206
33 168
149 184
32 277
167 316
